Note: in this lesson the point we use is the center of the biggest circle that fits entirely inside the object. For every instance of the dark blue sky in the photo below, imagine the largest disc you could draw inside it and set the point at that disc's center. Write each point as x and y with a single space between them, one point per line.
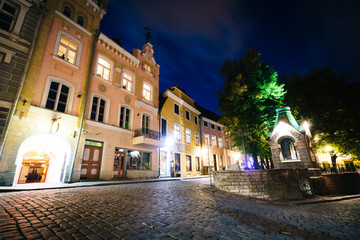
192 38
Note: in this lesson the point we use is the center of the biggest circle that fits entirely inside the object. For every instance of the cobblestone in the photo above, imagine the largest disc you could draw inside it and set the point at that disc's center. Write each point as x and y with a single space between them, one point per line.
167 210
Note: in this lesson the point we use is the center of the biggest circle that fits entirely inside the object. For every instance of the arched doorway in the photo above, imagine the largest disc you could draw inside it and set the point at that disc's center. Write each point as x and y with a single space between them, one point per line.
42 159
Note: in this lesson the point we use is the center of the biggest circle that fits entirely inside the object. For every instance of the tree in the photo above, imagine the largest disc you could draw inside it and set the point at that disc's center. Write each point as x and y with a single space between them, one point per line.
327 100
247 102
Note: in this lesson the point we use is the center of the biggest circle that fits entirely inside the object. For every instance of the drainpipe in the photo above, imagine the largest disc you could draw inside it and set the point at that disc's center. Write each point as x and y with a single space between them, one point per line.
21 85
97 33
160 140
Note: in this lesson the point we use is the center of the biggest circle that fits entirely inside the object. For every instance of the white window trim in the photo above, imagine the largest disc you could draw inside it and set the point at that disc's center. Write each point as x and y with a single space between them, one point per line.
111 68
122 81
175 124
179 109
107 107
70 96
56 48
150 119
131 118
187 111
151 92
186 140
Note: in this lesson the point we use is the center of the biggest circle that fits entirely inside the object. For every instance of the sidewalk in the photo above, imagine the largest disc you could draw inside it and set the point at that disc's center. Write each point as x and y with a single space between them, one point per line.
210 189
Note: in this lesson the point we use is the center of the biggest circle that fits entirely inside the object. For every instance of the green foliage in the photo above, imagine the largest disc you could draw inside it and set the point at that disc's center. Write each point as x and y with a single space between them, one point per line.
331 104
248 100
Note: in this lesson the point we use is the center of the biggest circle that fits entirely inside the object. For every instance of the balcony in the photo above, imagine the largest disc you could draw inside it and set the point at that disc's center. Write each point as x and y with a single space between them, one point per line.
147 138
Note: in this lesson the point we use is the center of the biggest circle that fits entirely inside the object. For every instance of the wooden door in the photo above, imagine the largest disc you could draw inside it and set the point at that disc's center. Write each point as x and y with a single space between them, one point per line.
119 164
90 166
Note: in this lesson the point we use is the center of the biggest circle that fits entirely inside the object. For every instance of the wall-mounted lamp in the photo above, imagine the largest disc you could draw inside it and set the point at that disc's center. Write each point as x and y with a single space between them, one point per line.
54 127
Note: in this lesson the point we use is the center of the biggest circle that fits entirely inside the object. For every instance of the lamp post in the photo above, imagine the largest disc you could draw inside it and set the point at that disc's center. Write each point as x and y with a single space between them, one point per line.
208 150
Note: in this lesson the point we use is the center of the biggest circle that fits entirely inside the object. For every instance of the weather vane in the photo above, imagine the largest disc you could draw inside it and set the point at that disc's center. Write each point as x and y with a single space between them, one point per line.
147 33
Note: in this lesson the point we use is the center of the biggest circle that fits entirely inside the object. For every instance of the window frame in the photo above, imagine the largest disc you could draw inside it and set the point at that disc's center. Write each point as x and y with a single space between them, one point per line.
175 104
197 139
291 151
12 16
70 8
187 112
196 120
206 123
106 109
220 142
219 128
163 136
188 166
111 72
71 93
197 164
213 143
131 116
188 135
149 127
72 39
125 86
212 126
151 91
207 139
175 131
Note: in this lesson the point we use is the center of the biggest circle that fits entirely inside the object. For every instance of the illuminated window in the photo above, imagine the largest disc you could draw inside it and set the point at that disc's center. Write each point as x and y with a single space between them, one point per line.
67 11
177 132
188 135
68 50
197 163
136 160
148 68
288 149
176 109
145 123
213 140
98 109
187 115
58 96
197 142
147 91
7 15
103 69
128 81
207 139
220 142
188 163
125 117
196 120
206 124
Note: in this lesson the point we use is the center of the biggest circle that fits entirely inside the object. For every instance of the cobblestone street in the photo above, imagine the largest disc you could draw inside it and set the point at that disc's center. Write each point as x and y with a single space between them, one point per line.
167 210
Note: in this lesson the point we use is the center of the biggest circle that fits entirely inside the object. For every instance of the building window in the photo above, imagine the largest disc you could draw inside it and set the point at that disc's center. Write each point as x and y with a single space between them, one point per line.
188 135
103 68
176 109
177 162
145 124
212 126
148 68
147 91
187 115
188 163
67 11
197 139
213 140
222 160
58 96
206 124
68 50
80 20
177 132
220 142
219 129
288 149
136 160
98 109
197 163
128 81
207 139
163 128
7 15
196 120
124 117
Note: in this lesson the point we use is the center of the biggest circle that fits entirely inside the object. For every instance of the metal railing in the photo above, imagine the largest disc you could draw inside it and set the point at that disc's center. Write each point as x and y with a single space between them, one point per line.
338 168
147 133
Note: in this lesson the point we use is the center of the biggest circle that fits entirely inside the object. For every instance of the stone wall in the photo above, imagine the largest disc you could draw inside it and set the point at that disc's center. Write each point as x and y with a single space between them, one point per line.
272 184
345 183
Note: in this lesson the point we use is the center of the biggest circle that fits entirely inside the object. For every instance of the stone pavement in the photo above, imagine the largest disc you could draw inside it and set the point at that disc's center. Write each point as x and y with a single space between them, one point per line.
168 210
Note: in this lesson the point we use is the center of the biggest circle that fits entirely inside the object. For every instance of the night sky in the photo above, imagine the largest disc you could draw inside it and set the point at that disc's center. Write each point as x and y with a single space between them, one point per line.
192 38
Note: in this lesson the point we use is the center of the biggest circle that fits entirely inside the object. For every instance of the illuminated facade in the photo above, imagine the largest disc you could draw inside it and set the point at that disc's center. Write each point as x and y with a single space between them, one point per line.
42 137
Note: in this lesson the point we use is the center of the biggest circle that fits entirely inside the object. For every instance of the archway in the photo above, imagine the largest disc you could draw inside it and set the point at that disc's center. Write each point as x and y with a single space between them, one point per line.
42 159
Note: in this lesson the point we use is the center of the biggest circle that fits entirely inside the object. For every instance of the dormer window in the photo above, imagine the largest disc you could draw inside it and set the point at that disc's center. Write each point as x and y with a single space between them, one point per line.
67 11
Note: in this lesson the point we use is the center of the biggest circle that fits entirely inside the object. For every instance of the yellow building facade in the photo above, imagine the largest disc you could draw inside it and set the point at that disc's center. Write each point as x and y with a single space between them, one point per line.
180 128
